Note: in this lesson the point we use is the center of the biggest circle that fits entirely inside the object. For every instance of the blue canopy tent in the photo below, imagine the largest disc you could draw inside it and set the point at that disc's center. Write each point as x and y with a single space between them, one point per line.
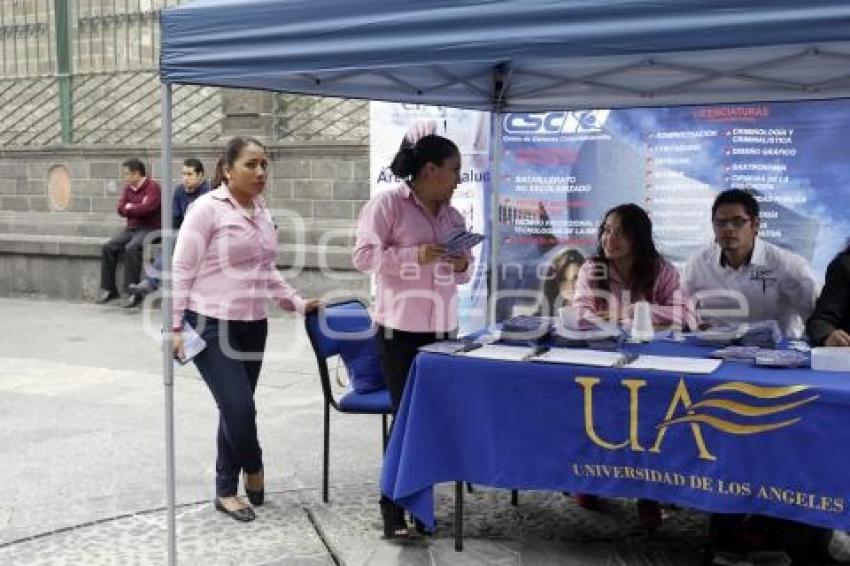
500 56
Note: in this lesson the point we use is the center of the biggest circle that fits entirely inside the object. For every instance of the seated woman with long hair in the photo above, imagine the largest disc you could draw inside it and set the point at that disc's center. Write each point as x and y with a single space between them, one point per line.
628 268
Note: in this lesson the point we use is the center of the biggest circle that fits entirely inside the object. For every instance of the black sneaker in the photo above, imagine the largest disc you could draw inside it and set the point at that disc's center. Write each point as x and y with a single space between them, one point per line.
142 288
106 296
134 301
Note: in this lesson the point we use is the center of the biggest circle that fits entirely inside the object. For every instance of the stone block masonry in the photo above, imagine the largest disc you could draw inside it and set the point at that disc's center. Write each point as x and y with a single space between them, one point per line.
52 226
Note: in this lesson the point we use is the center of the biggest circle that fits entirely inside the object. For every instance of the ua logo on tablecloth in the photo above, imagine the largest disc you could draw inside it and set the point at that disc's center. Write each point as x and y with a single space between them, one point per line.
747 416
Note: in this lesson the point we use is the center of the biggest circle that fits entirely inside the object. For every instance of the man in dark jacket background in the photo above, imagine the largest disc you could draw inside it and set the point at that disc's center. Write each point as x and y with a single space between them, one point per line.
140 205
829 325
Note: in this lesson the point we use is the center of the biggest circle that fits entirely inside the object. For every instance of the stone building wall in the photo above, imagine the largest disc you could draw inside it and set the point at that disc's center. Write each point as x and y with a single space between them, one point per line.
57 208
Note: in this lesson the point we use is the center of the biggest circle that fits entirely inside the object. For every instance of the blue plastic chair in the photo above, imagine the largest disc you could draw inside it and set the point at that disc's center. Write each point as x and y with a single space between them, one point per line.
333 329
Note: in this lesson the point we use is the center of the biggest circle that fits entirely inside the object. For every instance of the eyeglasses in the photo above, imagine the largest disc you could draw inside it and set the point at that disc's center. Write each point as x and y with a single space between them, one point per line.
734 222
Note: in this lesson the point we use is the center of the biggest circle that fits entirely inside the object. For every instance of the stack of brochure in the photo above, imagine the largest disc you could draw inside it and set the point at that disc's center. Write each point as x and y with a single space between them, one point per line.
461 240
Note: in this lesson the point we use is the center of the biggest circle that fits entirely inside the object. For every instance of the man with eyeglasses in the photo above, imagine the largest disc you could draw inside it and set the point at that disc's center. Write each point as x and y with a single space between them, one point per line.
742 278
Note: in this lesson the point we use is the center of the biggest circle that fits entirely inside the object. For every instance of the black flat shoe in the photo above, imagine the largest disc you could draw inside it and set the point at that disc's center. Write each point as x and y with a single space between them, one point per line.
106 296
245 514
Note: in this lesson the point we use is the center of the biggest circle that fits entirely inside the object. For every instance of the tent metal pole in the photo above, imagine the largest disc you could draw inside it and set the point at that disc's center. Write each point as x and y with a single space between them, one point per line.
501 83
495 160
165 286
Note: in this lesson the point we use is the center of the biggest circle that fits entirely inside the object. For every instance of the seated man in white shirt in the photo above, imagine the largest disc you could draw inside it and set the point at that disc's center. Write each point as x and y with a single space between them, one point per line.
742 278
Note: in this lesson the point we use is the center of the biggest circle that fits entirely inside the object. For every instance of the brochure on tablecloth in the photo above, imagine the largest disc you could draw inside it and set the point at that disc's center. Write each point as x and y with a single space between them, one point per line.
628 360
505 352
675 364
582 357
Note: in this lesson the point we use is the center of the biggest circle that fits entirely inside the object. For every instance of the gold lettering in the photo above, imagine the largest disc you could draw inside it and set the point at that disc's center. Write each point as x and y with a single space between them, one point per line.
587 384
633 385
681 396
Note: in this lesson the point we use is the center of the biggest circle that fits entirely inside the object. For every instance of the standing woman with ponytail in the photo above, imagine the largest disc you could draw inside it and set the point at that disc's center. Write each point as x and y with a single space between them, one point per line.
399 237
224 277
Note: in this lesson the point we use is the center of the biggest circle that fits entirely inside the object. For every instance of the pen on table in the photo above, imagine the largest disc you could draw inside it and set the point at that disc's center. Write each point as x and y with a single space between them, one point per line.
536 351
468 347
626 359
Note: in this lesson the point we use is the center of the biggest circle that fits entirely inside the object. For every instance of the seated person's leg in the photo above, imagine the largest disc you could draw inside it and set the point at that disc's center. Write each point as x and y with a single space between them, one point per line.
133 254
150 282
725 534
111 253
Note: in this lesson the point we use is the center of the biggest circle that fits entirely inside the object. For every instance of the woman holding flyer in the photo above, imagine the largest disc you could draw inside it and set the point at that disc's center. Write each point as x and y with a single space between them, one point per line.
224 275
402 238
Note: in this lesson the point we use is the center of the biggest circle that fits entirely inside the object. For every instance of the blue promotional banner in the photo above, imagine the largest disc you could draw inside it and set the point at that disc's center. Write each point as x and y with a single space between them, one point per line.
740 440
560 171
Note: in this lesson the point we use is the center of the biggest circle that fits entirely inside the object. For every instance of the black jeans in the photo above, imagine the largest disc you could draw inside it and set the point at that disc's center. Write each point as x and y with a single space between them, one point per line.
128 243
397 349
230 366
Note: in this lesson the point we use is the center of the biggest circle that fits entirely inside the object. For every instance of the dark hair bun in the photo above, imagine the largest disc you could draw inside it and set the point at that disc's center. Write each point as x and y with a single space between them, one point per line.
404 163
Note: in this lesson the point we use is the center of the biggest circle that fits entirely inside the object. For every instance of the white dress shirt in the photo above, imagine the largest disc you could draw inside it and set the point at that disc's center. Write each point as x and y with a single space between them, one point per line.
775 285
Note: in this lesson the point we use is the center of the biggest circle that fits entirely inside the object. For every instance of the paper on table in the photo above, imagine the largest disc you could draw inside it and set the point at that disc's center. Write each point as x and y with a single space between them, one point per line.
597 358
502 352
675 364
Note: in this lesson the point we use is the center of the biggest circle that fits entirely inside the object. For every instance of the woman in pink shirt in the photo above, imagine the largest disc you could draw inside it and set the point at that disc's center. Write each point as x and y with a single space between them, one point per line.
399 237
628 268
224 276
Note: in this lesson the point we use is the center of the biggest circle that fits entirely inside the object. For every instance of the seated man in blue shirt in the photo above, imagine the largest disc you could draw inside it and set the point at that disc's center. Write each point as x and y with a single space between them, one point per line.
194 185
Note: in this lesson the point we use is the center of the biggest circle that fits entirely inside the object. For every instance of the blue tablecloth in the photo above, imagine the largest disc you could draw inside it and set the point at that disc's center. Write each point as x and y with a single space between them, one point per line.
779 448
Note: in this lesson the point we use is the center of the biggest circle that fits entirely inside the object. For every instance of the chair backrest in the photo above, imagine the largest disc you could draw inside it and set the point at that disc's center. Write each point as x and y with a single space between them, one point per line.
345 329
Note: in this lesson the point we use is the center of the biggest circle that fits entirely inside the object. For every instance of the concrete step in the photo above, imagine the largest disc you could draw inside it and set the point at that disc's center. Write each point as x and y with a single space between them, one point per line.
292 231
322 258
316 231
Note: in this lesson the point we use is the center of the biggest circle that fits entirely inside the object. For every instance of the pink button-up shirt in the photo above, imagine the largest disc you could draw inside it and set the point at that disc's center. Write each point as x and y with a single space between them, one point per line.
409 296
668 301
224 261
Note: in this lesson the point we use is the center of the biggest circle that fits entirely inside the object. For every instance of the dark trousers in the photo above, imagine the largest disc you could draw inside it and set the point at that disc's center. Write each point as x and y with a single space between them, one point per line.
397 349
739 534
230 366
129 244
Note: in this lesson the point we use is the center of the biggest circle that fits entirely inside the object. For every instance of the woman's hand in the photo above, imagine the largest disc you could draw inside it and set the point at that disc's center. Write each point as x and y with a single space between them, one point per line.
428 253
838 338
311 305
459 263
177 346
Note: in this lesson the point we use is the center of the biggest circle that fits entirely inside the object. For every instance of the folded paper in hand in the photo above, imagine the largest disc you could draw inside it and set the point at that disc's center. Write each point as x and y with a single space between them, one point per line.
461 240
193 344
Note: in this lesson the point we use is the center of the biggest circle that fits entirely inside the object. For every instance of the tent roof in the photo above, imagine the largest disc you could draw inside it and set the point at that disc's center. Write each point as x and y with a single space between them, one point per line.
539 54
